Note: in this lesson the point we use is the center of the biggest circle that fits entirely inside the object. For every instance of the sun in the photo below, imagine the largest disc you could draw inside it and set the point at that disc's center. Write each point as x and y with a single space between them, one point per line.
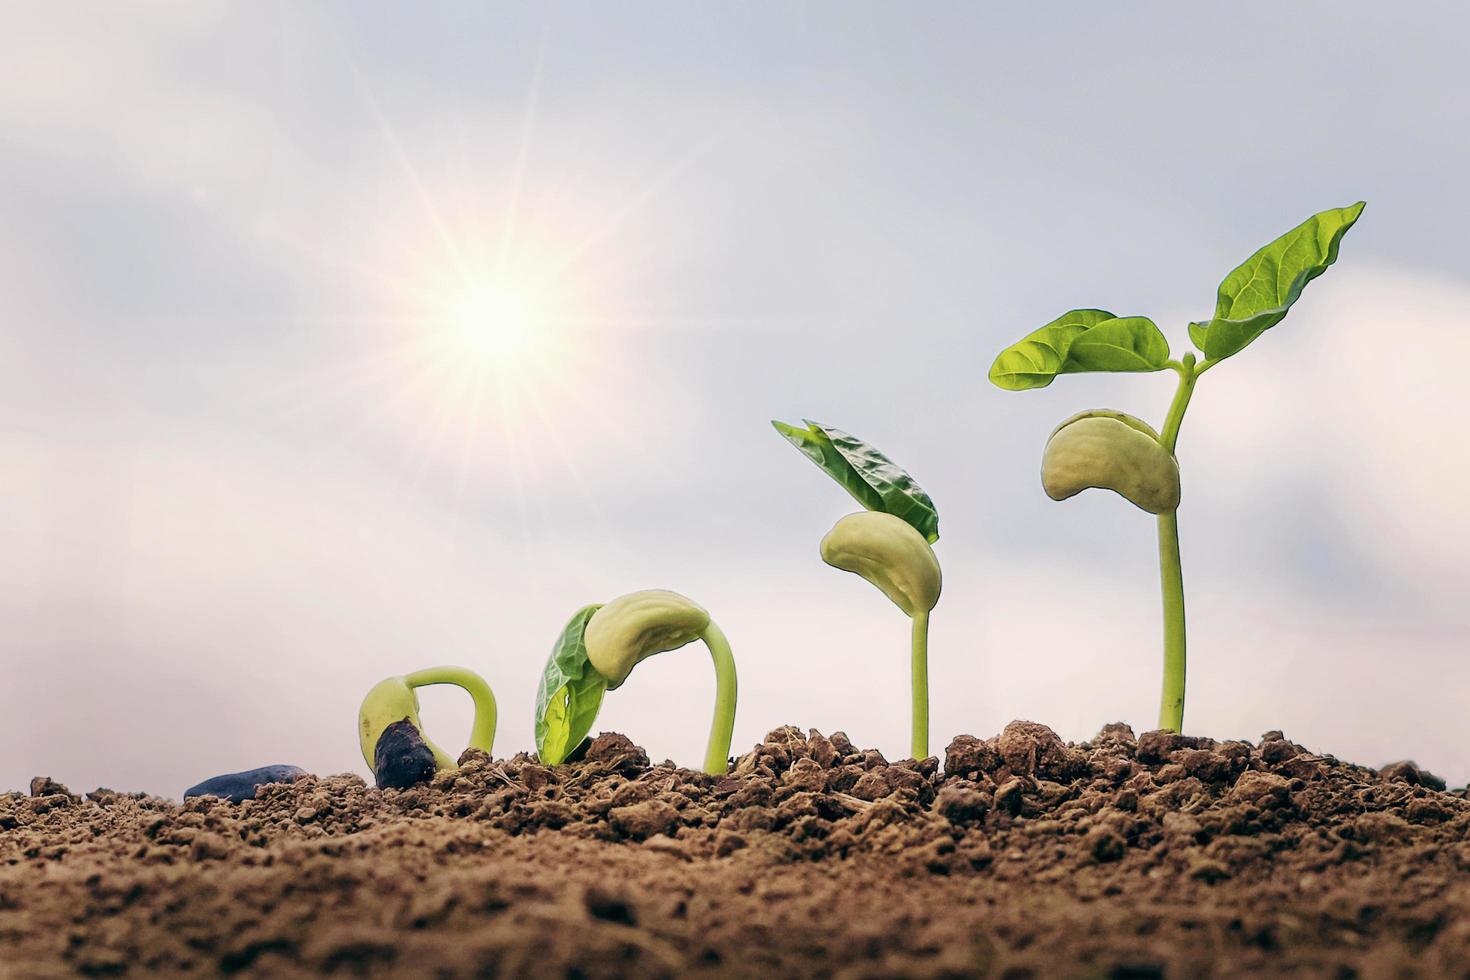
489 305
478 322
493 322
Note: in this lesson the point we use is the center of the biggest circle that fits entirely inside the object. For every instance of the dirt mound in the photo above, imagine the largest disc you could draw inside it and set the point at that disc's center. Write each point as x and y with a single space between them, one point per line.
1023 856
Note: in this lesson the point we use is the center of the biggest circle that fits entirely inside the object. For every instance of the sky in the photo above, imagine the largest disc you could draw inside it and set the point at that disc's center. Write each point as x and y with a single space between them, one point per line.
259 450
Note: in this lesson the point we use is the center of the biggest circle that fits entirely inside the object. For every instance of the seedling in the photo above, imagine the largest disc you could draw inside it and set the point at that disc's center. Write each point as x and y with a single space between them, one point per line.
888 544
1115 451
599 648
392 737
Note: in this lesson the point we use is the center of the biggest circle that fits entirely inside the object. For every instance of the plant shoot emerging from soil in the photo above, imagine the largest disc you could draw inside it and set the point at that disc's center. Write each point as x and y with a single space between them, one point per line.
888 544
392 736
1115 451
599 648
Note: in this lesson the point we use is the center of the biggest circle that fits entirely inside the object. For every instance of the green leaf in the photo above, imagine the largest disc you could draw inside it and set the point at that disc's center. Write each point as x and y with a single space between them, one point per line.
570 694
1078 341
1038 357
1131 343
1255 297
872 478
817 447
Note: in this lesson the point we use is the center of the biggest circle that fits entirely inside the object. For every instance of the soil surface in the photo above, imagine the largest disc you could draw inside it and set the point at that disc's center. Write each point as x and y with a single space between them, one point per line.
1023 856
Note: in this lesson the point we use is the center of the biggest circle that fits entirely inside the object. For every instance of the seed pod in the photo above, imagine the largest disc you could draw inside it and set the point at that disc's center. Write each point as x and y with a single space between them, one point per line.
1111 451
638 625
888 552
392 737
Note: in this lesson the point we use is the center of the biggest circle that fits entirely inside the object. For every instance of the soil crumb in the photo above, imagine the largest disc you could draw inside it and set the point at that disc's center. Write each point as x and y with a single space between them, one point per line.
1021 856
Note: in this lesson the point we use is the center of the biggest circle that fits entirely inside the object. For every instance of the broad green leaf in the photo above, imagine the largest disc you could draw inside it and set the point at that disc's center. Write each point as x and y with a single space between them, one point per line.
1130 343
1038 357
1255 297
1078 341
570 694
872 478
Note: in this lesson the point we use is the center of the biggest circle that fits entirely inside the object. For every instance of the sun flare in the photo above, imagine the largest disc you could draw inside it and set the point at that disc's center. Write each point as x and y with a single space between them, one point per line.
490 310
494 321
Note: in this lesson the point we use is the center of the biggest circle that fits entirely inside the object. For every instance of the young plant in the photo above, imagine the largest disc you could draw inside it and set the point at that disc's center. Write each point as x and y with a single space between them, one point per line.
1115 451
392 737
599 648
888 544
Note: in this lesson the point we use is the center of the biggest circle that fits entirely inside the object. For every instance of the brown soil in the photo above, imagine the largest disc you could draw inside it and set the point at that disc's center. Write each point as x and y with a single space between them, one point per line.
1024 857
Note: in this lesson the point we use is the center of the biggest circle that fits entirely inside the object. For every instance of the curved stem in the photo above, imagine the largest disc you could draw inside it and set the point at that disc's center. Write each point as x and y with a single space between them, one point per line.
482 732
1171 576
1187 377
919 672
722 728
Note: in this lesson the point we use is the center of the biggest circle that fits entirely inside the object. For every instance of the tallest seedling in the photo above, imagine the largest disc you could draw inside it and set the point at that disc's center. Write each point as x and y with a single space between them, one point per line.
1111 450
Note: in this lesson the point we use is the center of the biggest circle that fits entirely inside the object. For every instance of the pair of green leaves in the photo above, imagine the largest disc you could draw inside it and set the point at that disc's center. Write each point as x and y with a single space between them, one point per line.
1251 300
872 478
570 694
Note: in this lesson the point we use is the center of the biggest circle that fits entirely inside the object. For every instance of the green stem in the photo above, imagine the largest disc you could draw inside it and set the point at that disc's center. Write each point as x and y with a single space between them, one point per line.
1188 374
1171 573
1171 576
722 729
919 670
482 732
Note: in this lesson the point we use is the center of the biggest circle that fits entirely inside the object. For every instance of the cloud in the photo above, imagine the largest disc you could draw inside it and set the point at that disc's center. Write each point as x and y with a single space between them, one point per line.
98 90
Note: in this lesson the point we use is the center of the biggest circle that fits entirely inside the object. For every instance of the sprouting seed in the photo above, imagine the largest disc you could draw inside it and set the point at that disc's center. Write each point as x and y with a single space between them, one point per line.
598 649
888 543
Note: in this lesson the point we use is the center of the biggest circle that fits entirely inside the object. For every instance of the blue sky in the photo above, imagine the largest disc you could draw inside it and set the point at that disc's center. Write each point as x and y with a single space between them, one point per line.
248 468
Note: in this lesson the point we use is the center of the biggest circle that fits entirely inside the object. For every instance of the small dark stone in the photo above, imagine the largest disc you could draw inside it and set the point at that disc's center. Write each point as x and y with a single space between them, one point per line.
239 786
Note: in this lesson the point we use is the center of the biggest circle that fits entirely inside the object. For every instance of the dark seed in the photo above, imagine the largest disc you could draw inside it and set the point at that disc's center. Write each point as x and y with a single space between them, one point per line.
402 758
238 786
